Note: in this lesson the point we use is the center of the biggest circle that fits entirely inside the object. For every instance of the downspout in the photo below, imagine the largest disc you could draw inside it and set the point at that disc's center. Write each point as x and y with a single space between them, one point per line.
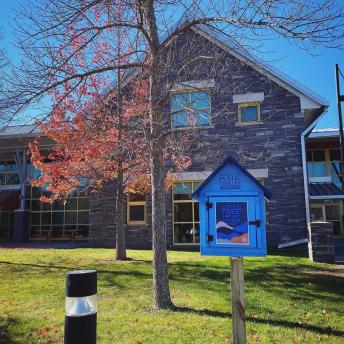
304 135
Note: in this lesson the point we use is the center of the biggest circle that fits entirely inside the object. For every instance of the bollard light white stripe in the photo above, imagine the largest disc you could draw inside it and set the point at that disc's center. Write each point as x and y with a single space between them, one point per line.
81 306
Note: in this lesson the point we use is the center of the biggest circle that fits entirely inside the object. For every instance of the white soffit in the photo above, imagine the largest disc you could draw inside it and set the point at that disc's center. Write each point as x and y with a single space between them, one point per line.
248 97
202 175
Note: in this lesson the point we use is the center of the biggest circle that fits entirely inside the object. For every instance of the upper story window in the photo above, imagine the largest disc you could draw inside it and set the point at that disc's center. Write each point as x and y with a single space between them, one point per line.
191 108
316 163
325 162
136 209
8 173
249 113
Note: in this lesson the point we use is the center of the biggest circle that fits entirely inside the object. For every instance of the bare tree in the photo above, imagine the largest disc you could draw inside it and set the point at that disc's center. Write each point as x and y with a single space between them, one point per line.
3 64
47 28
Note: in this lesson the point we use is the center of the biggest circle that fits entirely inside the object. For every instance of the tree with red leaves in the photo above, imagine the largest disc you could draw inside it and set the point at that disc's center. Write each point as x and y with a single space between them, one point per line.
56 38
97 142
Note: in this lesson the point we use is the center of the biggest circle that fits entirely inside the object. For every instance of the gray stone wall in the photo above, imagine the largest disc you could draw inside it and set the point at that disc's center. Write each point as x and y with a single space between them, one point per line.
274 143
140 236
320 244
21 225
102 216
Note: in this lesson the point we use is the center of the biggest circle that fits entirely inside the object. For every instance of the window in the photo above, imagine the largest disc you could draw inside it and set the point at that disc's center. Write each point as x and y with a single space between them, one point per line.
190 108
60 220
333 215
316 163
330 212
6 224
185 213
336 167
8 173
325 162
249 113
136 209
317 213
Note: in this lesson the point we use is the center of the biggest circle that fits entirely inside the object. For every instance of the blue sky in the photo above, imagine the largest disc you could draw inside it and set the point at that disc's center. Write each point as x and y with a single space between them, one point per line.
315 70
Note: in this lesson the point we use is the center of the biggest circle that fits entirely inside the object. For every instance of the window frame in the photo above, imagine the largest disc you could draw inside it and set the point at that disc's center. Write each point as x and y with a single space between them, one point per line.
47 208
9 173
323 206
247 104
189 91
6 228
193 222
136 203
328 162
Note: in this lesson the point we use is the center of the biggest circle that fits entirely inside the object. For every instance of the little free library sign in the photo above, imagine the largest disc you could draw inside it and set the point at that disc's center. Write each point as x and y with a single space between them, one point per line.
232 212
232 223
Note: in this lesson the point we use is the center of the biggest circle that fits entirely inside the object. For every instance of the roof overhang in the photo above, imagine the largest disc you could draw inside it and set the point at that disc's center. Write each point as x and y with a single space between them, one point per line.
312 104
322 191
309 100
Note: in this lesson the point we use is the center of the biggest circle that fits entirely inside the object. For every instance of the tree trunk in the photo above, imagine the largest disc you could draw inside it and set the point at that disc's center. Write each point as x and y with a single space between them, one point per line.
162 298
121 253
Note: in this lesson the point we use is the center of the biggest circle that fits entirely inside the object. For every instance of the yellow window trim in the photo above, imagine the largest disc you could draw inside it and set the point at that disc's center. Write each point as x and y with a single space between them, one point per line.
243 105
131 203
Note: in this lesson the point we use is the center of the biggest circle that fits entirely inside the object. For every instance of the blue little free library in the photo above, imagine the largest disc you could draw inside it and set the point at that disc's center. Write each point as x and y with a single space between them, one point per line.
232 212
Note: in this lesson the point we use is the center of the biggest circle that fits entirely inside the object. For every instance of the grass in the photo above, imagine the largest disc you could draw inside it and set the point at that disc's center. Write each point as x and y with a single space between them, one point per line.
288 299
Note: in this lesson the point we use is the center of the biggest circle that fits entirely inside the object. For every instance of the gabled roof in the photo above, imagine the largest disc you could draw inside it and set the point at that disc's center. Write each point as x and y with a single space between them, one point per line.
28 130
308 97
230 160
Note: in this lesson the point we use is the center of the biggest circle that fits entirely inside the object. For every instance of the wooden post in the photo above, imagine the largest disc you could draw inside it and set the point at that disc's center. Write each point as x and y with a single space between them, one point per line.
238 300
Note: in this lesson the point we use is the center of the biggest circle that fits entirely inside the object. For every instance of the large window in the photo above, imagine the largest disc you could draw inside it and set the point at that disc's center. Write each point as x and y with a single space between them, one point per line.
60 220
190 108
6 224
8 173
136 209
325 162
330 212
185 213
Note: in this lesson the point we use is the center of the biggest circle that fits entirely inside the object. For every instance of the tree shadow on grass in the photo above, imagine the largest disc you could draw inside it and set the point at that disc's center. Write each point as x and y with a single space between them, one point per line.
272 322
69 268
106 277
5 330
300 281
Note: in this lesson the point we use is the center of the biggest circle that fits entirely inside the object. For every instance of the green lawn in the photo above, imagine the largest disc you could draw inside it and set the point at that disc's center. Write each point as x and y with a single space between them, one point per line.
288 299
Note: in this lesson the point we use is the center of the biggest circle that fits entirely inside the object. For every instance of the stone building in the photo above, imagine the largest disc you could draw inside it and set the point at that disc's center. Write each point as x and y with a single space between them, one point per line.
242 108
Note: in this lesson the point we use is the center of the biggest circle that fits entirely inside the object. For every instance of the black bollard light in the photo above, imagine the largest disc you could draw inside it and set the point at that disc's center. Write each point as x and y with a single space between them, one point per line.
81 307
